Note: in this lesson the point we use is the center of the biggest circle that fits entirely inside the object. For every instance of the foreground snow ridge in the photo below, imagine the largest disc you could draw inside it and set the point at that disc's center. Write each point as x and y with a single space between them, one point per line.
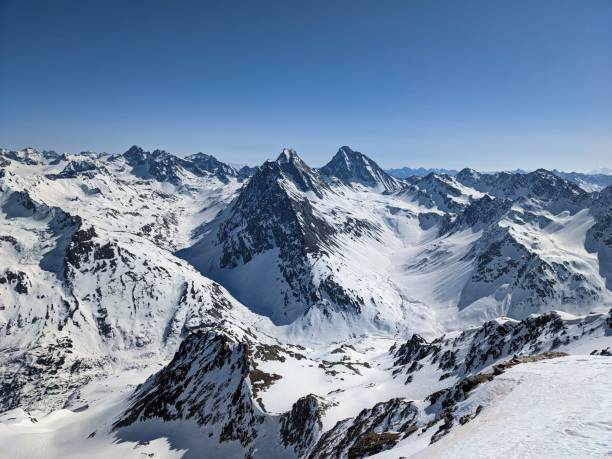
166 307
547 408
551 408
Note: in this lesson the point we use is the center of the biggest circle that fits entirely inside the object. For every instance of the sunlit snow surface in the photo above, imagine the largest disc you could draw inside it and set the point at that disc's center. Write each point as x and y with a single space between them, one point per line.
559 408
414 277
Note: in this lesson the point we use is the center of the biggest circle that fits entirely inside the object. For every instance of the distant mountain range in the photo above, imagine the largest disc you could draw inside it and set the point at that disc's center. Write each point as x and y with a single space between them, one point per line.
591 181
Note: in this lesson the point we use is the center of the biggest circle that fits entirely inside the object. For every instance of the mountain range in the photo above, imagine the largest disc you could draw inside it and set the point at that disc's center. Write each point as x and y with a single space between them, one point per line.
161 306
591 181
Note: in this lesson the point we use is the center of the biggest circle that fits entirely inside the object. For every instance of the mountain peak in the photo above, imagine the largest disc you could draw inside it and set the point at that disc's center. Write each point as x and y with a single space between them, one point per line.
543 173
159 165
288 155
211 164
133 150
467 174
201 156
541 184
297 171
351 167
349 151
348 155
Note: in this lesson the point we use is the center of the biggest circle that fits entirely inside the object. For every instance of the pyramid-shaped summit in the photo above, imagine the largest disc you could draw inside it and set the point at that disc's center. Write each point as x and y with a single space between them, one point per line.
352 167
297 171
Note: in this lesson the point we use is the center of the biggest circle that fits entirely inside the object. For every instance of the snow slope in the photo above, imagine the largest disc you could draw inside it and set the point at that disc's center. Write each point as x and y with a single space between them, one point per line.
558 408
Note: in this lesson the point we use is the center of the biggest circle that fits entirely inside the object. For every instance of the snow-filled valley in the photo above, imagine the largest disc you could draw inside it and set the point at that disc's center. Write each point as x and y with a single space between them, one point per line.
166 307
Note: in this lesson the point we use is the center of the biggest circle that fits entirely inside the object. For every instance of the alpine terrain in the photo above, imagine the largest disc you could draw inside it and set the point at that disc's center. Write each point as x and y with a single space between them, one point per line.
179 307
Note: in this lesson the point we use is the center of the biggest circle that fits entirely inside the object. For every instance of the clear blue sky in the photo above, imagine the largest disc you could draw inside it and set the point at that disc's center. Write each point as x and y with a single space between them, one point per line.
486 84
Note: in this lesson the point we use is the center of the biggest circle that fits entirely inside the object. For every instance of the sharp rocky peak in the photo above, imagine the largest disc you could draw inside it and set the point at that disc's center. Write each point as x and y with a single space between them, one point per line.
353 167
135 152
290 166
289 155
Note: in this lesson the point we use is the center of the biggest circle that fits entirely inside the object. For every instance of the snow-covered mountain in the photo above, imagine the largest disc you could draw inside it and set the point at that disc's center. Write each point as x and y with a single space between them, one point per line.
287 230
158 305
406 172
352 167
592 181
514 243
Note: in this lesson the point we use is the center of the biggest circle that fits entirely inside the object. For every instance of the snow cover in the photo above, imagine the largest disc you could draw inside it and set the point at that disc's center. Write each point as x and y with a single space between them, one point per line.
558 408
359 293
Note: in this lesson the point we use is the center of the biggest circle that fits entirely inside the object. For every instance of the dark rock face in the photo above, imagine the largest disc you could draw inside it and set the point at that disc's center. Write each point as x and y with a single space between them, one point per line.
43 373
478 214
29 156
269 215
297 172
158 165
246 172
17 280
19 205
211 164
212 380
478 348
416 348
10 240
370 432
301 427
206 381
599 236
435 191
135 155
75 168
165 167
540 184
500 261
381 427
84 253
3 164
53 157
372 443
350 167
